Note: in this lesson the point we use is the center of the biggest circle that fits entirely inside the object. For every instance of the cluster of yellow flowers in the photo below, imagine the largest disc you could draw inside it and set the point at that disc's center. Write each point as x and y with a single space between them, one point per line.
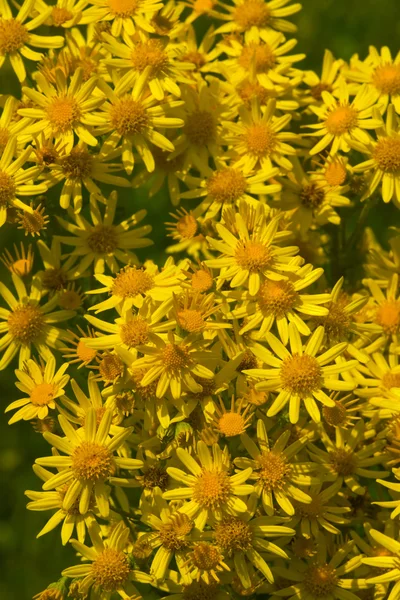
229 425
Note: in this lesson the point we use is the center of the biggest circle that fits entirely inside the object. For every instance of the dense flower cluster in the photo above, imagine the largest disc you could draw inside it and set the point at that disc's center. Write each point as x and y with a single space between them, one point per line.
225 423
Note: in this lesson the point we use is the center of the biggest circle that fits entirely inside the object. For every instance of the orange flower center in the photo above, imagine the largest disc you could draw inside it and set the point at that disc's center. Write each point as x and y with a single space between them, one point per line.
387 154
26 323
110 570
252 13
301 374
388 316
261 54
212 489
13 35
386 79
128 116
43 393
341 120
253 256
226 185
260 140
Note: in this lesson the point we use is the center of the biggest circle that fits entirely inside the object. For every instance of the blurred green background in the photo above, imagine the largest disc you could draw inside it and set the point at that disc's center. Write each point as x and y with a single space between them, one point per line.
27 564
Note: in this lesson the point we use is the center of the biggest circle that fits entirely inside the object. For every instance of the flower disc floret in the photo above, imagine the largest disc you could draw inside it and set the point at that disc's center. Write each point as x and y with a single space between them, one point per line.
387 154
128 116
110 570
26 323
253 256
103 239
341 120
320 580
123 8
78 164
260 140
274 470
226 185
7 188
206 557
43 393
150 54
388 316
386 79
252 13
130 282
134 332
342 461
63 113
212 489
173 534
261 54
13 35
276 297
175 357
301 374
233 535
231 424
92 462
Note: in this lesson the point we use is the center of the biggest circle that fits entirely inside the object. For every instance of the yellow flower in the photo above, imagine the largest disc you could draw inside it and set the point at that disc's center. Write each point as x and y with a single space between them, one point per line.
43 386
126 15
134 116
250 16
327 82
211 491
61 110
387 313
276 473
102 243
345 460
299 374
257 139
252 259
342 120
71 519
226 185
56 274
383 164
89 462
15 181
280 302
174 363
106 567
163 62
132 285
381 72
311 201
65 13
16 36
265 55
27 323
323 575
81 167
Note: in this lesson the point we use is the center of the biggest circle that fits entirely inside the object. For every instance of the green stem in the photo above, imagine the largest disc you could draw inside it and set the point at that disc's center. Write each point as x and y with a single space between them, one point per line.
360 226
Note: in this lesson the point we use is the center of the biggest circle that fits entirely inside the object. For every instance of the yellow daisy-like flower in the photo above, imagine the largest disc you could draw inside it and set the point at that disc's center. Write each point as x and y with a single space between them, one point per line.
277 476
131 329
388 563
65 13
226 185
257 138
173 363
243 539
383 165
71 519
56 274
62 110
311 201
265 55
134 116
81 168
10 124
382 72
322 513
27 323
323 576
211 491
300 374
163 61
133 284
280 302
252 258
249 16
126 15
378 376
102 243
15 181
342 120
42 385
345 460
90 462
16 36
107 568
